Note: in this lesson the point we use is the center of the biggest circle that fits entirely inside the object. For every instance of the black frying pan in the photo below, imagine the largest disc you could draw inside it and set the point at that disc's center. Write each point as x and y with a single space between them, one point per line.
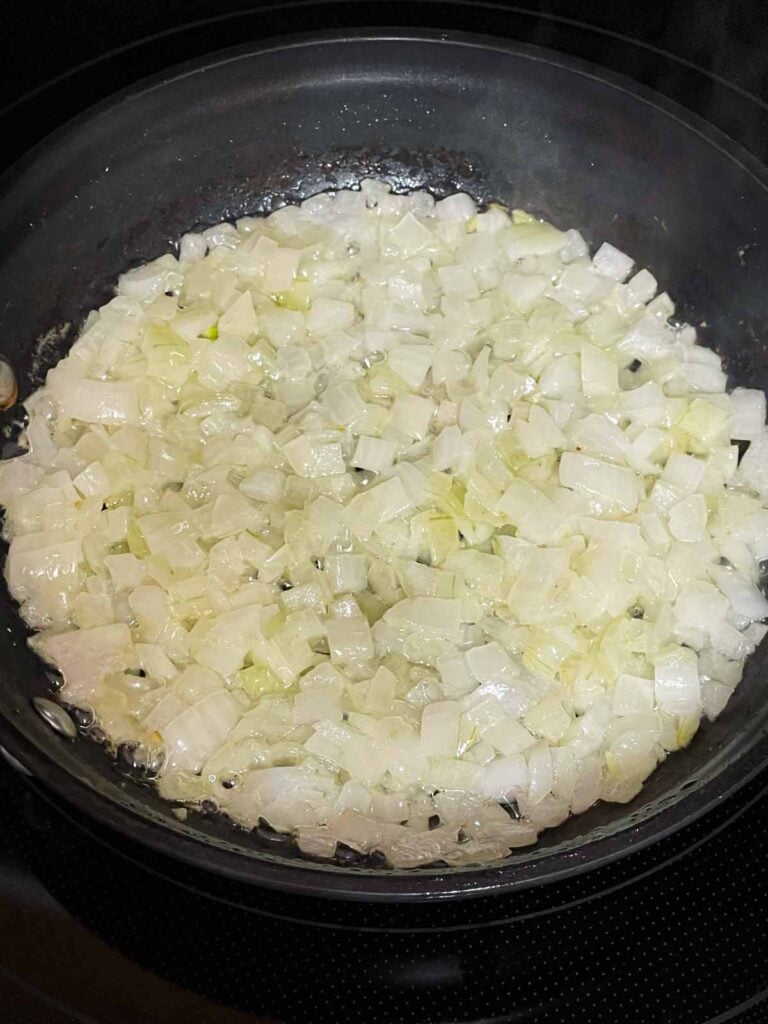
248 129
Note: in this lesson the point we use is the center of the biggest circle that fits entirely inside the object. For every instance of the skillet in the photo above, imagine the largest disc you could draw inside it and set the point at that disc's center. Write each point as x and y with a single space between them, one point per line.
245 130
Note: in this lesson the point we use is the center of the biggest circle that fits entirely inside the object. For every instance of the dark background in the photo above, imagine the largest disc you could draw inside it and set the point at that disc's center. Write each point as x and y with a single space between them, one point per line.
726 38
40 41
92 930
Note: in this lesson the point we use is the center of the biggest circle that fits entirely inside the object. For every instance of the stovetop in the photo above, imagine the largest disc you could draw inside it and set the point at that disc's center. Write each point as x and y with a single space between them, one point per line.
95 929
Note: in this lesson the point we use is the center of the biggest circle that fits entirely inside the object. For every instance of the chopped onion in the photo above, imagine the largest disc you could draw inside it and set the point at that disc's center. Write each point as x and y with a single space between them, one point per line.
382 508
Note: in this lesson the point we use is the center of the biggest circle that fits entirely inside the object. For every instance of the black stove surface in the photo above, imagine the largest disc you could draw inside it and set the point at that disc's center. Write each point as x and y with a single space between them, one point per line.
671 935
93 928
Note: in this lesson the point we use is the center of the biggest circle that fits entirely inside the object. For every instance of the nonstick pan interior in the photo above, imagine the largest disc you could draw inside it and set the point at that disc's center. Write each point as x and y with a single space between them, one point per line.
249 129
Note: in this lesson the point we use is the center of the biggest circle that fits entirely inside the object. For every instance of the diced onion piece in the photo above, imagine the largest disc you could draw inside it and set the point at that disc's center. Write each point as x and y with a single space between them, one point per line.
311 459
548 719
609 487
633 695
612 262
747 414
677 688
86 656
374 454
439 729
349 640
